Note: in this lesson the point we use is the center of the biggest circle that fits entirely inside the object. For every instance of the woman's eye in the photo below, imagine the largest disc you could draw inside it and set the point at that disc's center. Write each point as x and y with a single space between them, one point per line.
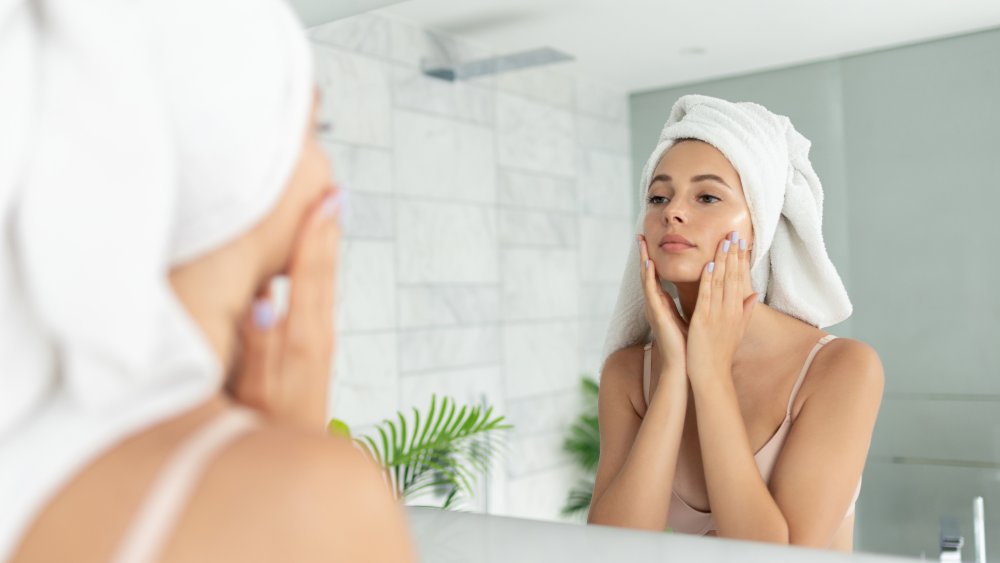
656 199
709 199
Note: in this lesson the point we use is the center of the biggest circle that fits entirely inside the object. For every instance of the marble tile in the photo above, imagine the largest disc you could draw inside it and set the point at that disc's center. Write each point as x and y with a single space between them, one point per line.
537 452
603 134
363 33
592 335
550 84
536 191
360 169
591 363
540 496
597 301
443 348
460 99
604 246
446 243
365 381
966 430
537 228
446 305
535 136
366 215
494 497
600 101
410 44
604 184
552 412
901 506
540 358
366 296
444 159
467 386
538 283
356 96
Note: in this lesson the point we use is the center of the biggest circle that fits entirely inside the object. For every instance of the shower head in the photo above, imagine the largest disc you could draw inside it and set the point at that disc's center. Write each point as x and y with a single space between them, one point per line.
452 71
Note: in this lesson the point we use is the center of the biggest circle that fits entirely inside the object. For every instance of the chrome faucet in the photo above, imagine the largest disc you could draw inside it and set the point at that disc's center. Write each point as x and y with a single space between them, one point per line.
951 540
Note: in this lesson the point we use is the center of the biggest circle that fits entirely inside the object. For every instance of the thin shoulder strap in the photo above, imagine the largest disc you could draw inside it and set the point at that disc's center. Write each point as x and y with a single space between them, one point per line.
805 369
156 518
647 366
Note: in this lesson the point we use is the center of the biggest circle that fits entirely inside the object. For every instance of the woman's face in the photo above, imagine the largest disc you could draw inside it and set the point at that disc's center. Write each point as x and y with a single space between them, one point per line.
693 202
309 182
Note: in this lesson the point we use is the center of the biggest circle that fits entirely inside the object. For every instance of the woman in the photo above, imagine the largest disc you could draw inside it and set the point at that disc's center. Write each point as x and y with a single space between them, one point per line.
740 418
165 168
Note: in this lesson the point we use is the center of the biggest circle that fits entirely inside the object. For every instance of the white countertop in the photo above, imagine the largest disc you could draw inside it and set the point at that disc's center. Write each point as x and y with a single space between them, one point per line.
460 537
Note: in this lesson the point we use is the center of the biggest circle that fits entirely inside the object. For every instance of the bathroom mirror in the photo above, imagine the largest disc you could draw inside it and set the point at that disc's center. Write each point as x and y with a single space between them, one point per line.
491 212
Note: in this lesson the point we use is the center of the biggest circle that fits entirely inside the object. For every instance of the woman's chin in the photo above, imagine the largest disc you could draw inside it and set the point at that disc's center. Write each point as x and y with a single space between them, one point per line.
680 275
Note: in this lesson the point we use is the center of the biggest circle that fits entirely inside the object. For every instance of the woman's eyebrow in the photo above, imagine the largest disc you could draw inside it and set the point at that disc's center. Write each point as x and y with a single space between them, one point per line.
658 178
698 178
711 177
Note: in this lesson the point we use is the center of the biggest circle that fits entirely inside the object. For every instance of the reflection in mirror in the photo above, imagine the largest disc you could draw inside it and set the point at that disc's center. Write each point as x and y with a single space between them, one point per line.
489 238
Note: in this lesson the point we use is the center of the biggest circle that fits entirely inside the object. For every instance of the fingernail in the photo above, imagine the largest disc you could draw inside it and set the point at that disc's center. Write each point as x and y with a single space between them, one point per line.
263 314
711 267
743 244
645 265
725 246
735 235
332 204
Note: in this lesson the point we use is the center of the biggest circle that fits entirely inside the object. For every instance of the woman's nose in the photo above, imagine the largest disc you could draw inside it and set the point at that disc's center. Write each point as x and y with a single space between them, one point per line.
674 212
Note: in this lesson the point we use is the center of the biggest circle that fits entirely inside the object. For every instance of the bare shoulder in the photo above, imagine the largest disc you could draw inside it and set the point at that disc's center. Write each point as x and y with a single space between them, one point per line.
846 368
283 494
624 366
622 376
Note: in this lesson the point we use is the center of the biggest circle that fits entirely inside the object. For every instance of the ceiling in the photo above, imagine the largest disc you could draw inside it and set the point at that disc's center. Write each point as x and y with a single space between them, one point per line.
636 45
317 12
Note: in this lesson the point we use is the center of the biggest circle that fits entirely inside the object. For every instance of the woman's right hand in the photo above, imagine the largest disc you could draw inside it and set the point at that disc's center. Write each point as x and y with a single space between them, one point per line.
669 328
284 368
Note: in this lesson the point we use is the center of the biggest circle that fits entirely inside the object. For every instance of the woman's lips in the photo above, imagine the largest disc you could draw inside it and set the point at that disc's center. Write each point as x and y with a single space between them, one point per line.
673 247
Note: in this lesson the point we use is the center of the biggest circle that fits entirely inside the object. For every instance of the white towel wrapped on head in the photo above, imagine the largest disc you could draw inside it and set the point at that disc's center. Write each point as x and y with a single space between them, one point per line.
790 267
143 135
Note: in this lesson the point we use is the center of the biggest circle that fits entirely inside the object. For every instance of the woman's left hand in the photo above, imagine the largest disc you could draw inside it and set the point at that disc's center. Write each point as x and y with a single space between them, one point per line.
722 312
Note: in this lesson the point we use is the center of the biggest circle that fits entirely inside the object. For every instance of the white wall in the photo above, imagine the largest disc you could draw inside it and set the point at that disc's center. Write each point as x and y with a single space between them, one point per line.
487 229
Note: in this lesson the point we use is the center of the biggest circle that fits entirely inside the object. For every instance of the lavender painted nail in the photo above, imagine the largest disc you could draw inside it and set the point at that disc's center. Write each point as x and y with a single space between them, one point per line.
711 267
264 315
743 244
725 246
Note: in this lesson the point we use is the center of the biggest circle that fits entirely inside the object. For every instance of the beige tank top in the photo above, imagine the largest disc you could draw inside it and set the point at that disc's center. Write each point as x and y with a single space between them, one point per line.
682 516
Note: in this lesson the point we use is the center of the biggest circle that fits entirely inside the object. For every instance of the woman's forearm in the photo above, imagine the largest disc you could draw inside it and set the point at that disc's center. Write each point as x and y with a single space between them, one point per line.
742 505
639 495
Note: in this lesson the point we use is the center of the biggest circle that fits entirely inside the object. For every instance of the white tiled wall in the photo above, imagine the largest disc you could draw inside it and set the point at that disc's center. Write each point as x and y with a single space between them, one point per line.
487 228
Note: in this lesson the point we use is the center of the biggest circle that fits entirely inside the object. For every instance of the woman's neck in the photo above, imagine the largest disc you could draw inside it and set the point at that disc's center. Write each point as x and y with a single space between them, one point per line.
765 324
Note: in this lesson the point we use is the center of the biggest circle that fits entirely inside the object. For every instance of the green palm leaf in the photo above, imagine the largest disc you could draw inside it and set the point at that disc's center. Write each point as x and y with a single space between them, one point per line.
443 451
578 499
583 444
